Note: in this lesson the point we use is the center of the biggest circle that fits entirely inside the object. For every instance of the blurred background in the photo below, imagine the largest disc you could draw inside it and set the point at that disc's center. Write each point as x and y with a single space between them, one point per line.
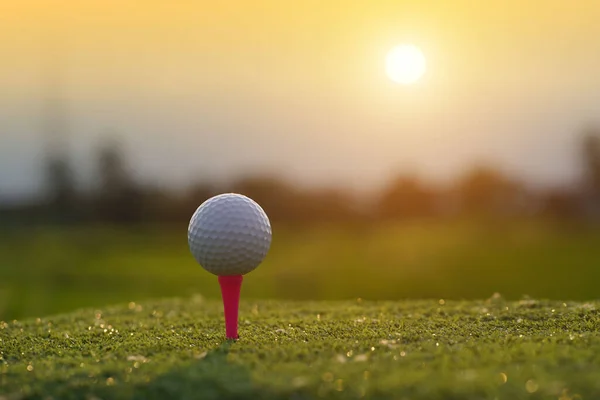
119 118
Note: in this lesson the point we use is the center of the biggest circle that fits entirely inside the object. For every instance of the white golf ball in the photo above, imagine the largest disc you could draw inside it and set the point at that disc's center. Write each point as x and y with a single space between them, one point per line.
229 234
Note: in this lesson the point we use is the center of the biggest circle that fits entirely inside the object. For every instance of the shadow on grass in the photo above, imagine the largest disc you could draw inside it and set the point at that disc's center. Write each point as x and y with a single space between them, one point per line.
212 377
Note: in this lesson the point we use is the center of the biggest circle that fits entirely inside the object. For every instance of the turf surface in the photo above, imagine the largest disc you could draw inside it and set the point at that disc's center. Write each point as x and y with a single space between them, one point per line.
174 348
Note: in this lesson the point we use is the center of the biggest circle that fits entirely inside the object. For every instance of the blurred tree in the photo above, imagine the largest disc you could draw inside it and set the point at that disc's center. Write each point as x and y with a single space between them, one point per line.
118 199
59 176
561 202
292 205
201 192
276 197
406 197
179 209
331 205
591 159
484 190
590 154
61 187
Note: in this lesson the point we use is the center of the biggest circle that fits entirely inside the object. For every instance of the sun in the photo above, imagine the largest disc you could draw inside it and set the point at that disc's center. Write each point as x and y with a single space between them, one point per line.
405 64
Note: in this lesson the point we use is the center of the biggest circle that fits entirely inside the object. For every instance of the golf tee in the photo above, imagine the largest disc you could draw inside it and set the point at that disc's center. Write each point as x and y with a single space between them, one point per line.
230 291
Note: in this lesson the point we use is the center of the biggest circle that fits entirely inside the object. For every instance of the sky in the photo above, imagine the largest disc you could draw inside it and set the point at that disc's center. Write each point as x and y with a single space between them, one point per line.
198 90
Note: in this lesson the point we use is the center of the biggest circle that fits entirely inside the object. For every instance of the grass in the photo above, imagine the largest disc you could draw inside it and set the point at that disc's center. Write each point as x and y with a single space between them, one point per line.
429 349
49 270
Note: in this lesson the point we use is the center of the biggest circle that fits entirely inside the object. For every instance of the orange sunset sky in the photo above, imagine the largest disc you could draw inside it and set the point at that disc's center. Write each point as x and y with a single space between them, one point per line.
214 89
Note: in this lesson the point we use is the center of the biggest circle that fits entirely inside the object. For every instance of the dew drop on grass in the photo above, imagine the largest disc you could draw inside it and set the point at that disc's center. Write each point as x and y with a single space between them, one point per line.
362 392
531 386
299 381
340 358
503 378
327 377
361 358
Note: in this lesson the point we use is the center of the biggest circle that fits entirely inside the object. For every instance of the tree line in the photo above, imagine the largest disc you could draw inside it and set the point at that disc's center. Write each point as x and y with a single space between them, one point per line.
118 198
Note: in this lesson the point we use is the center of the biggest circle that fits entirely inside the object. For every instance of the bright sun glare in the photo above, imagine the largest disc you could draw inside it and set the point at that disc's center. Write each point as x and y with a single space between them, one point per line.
405 64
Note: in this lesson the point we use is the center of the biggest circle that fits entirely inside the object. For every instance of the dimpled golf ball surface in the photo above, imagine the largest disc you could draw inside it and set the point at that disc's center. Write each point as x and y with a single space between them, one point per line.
229 234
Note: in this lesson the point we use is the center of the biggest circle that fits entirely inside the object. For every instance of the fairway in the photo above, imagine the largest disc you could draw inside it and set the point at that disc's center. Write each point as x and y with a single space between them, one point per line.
435 349
49 270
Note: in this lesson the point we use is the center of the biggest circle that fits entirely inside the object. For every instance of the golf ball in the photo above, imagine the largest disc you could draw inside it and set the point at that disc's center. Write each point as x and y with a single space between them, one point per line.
229 234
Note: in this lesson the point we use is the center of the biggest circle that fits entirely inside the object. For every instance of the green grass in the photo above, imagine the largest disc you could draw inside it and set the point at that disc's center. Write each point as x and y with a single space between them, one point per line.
50 270
174 349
